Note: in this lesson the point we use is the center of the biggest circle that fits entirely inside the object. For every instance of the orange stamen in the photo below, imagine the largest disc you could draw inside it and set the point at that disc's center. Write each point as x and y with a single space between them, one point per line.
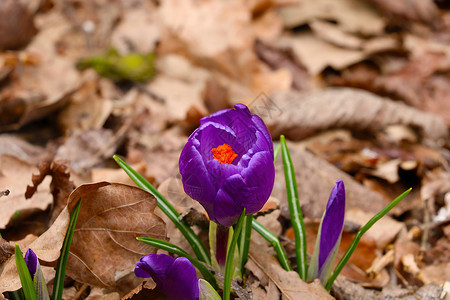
224 153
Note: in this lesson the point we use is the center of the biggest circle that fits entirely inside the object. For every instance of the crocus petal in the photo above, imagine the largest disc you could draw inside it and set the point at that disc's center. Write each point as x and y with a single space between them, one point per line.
176 278
181 281
154 266
31 260
332 224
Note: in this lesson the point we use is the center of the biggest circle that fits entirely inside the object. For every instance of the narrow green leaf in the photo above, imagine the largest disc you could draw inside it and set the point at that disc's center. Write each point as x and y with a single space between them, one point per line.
180 252
295 210
358 236
24 274
244 241
207 292
271 238
58 284
168 209
230 257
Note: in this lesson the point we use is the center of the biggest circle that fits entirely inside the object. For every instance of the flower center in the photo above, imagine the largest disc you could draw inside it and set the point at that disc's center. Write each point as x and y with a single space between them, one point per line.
224 153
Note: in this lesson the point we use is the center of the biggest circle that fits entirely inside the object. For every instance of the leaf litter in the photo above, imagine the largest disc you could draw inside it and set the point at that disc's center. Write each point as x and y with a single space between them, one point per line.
359 87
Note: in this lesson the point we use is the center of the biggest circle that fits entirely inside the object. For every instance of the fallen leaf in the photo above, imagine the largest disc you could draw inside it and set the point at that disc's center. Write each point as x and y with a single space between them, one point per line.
351 15
60 187
416 10
304 114
13 176
315 180
289 283
104 248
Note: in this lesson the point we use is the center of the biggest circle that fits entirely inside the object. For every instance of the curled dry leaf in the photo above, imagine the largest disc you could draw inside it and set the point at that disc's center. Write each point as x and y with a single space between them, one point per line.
304 114
60 187
104 248
13 176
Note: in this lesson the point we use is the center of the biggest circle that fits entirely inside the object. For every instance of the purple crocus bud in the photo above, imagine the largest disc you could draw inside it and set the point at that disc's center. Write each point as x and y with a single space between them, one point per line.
176 278
227 164
329 236
31 260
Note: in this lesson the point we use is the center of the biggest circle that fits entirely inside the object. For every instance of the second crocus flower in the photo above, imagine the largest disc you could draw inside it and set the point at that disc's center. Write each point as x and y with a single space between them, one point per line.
329 235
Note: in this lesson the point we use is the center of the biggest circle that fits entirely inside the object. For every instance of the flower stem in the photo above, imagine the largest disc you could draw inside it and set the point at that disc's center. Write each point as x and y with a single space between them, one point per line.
295 210
221 244
271 238
244 242
180 252
230 257
358 236
168 209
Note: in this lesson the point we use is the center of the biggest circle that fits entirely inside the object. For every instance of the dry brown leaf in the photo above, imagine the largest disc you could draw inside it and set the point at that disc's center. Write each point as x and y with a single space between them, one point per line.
316 54
87 108
437 274
289 283
382 233
60 187
304 114
31 95
104 249
351 15
279 58
16 146
315 179
334 35
213 33
140 21
86 149
416 10
15 175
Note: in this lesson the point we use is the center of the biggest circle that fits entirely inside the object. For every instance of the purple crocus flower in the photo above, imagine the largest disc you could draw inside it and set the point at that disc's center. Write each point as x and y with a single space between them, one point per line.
329 236
31 260
227 164
176 278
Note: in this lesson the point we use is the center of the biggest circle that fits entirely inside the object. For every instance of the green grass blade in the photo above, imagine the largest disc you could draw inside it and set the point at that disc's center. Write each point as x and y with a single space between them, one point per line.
358 236
58 284
271 238
230 257
180 252
244 241
24 274
168 209
295 210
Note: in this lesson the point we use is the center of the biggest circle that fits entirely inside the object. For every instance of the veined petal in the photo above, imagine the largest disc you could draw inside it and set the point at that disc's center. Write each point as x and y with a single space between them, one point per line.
154 266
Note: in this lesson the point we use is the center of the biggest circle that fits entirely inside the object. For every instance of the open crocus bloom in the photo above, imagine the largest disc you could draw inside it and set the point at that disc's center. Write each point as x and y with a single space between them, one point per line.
227 164
329 235
174 277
